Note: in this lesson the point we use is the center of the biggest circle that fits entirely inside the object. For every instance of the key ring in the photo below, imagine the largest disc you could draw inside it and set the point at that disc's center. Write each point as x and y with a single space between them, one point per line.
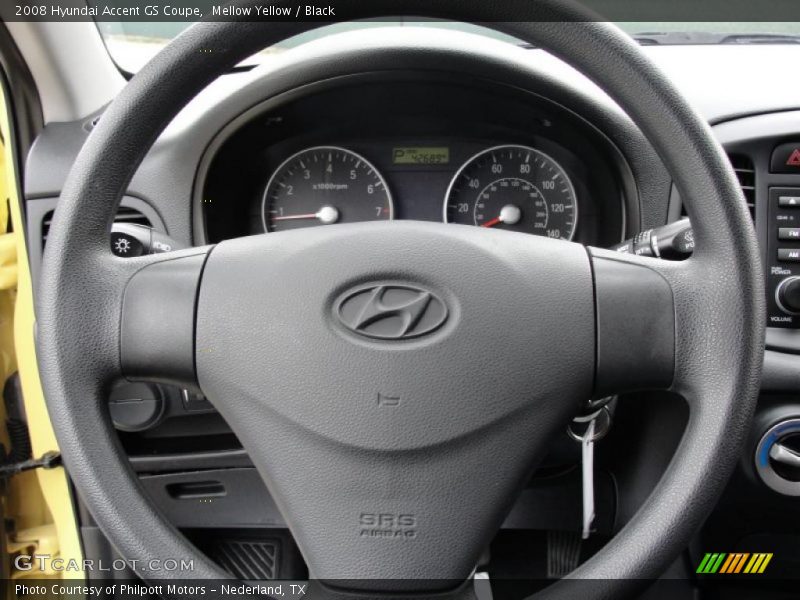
601 428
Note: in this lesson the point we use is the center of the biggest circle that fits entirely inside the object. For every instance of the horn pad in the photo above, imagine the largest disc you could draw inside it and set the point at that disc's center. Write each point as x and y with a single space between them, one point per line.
417 376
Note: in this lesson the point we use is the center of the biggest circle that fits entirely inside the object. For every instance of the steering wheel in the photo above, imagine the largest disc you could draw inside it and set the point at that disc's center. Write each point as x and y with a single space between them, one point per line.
352 361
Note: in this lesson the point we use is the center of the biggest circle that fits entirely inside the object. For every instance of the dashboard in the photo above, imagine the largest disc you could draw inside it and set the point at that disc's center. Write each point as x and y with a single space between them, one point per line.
410 150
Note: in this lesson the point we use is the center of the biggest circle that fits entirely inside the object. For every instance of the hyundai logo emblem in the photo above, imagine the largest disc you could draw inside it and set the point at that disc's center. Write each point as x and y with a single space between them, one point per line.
391 311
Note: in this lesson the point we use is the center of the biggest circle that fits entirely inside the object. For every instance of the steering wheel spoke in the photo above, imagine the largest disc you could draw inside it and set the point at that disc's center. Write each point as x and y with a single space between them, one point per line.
636 323
157 318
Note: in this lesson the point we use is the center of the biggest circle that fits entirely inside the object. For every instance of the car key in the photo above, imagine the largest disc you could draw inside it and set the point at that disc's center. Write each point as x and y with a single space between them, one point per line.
587 471
598 423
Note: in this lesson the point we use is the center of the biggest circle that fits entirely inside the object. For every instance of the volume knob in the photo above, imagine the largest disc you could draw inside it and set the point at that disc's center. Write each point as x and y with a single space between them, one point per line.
788 295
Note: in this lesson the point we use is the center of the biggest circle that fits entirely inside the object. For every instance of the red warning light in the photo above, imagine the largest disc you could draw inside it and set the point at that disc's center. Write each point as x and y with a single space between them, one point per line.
794 158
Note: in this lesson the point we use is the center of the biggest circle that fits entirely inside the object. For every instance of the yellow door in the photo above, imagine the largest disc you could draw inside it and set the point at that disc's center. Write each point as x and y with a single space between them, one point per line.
44 540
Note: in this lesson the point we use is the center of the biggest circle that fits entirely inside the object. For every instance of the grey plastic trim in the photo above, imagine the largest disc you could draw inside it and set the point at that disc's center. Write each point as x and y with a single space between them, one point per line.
758 127
244 503
781 372
73 71
755 135
195 461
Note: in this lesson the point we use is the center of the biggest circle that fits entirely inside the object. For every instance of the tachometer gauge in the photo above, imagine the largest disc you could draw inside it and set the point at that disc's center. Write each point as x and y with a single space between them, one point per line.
323 186
516 188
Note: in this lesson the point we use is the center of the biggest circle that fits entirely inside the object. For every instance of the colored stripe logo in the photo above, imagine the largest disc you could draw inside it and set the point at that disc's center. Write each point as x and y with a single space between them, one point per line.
733 563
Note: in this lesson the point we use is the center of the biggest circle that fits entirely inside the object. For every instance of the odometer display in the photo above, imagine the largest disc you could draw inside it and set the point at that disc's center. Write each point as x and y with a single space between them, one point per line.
420 155
323 186
515 188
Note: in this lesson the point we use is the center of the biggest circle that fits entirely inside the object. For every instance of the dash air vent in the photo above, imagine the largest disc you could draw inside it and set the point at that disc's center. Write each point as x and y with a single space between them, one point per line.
746 174
124 215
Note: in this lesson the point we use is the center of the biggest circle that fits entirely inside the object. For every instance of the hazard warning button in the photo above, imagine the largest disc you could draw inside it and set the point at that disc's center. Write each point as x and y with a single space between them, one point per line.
786 158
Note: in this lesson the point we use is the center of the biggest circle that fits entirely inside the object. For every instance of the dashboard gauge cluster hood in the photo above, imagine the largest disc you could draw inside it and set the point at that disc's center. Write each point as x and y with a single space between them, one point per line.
167 177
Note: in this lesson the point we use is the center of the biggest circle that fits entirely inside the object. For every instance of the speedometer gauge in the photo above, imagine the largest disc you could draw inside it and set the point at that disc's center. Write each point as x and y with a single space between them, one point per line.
323 186
516 188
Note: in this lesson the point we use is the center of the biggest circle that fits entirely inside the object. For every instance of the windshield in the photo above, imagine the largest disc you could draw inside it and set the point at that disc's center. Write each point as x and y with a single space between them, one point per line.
132 44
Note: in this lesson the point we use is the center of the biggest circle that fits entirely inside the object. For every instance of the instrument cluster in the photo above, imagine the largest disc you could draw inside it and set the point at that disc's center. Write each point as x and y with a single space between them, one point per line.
513 187
399 151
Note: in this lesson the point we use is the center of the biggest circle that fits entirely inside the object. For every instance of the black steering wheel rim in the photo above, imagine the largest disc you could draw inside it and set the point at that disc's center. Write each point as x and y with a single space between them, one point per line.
721 292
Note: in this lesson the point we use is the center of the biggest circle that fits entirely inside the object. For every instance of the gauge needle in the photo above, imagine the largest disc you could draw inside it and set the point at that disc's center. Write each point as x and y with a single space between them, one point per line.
326 215
509 214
